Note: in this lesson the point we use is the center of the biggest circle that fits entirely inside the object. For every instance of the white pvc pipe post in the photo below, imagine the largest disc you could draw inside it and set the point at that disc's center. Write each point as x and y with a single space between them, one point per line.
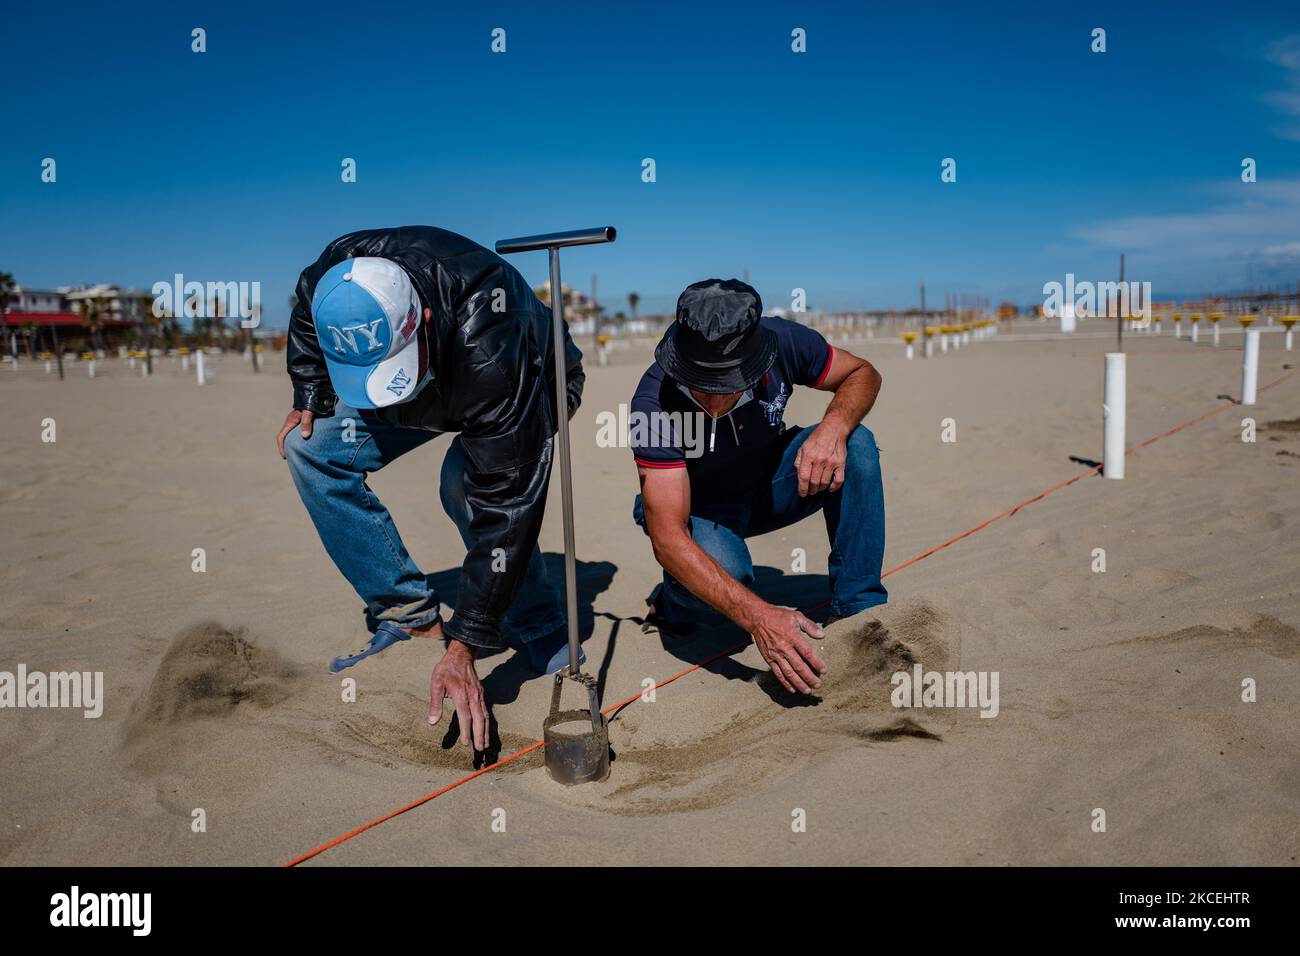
909 351
91 370
1178 328
1216 334
1196 328
1287 338
1114 413
185 362
198 364
1250 367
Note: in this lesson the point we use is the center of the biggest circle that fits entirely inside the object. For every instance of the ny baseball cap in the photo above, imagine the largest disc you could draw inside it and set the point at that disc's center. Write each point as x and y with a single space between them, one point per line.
367 318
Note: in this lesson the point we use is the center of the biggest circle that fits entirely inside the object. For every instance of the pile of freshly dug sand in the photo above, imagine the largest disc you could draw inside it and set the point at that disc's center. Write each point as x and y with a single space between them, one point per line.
209 671
772 732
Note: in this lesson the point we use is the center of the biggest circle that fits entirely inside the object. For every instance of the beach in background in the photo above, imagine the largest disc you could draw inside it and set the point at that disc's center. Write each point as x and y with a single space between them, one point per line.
1120 690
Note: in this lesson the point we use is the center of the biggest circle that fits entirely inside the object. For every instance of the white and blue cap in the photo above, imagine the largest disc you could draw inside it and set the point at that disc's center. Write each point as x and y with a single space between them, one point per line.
367 318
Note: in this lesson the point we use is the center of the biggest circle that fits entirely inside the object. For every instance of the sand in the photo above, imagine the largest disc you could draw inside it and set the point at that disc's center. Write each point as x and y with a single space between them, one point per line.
1119 691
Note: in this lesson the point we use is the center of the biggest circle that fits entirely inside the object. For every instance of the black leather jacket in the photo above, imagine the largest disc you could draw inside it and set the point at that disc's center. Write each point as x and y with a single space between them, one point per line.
493 383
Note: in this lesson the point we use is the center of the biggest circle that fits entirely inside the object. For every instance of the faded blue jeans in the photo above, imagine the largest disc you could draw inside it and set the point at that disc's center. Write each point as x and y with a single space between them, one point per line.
855 525
359 534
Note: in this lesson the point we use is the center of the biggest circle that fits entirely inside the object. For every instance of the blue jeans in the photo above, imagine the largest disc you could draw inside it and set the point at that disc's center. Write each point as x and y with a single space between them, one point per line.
855 524
359 534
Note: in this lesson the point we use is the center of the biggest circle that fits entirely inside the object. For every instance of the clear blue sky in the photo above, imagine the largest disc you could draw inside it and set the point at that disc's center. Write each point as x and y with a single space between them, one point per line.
817 170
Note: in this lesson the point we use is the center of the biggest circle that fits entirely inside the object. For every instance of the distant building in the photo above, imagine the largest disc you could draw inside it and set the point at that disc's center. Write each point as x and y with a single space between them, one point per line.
22 299
76 313
112 302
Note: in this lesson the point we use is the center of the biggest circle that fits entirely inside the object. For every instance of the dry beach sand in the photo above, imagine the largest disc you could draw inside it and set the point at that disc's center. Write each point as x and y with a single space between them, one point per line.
1119 690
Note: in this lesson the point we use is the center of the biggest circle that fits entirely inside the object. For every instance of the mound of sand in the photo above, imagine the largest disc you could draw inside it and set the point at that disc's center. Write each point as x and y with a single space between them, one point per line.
750 736
864 651
209 671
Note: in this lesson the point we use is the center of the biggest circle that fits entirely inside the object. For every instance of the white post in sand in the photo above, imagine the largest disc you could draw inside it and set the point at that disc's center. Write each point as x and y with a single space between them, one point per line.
1067 317
1114 412
1250 367
91 369
1178 326
1288 321
1196 327
198 365
185 361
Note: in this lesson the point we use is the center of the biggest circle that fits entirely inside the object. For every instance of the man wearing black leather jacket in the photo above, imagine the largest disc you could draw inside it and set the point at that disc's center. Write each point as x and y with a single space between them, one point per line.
399 335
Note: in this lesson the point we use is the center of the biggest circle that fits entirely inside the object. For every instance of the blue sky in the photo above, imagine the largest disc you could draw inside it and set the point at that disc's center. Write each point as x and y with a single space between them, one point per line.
818 170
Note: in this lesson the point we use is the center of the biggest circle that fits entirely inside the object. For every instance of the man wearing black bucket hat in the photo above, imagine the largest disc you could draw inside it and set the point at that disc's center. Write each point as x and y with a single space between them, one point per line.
742 472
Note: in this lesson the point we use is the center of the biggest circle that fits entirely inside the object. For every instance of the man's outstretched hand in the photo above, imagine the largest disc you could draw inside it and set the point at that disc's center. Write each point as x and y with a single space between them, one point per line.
454 676
296 418
781 634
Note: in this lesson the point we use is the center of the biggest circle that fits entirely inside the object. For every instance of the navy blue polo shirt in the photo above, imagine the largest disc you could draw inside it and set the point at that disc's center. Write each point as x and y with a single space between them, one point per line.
725 457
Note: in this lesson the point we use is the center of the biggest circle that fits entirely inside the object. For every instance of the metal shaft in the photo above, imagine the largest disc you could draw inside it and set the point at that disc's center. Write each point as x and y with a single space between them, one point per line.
552 242
566 465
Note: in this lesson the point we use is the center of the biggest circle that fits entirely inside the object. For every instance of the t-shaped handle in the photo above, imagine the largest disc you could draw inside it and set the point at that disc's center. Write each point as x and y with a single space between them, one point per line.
554 240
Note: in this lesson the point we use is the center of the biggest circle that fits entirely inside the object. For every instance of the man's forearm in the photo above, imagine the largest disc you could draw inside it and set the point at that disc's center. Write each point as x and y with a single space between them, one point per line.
709 581
853 399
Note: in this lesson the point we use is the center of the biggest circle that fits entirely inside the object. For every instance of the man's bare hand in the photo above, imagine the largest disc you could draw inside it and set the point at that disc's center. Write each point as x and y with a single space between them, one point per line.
297 417
820 461
454 676
779 633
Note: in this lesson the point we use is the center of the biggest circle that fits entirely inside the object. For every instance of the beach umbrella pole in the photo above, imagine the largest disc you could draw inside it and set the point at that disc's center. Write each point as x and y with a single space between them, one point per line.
573 753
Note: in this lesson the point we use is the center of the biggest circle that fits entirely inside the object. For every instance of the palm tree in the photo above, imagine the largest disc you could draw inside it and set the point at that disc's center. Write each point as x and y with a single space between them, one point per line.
91 319
217 325
633 300
7 287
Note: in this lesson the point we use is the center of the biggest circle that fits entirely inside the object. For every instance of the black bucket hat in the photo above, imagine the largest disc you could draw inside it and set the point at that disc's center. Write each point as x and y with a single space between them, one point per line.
717 344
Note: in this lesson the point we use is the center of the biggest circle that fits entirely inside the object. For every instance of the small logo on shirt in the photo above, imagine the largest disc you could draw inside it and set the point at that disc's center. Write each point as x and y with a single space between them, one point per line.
775 409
